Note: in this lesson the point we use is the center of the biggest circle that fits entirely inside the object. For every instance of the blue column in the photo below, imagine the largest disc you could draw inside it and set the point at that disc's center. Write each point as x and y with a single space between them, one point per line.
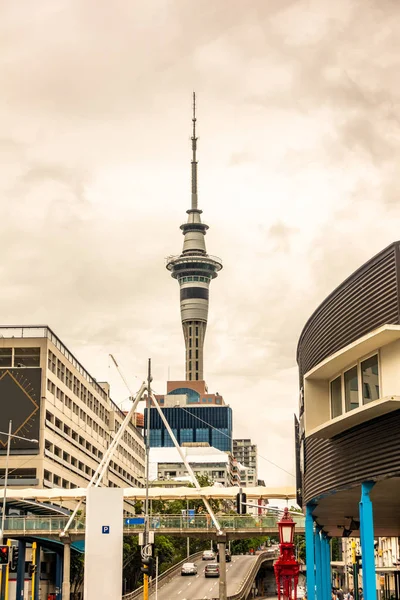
20 570
310 552
326 557
318 564
37 578
59 566
323 566
367 541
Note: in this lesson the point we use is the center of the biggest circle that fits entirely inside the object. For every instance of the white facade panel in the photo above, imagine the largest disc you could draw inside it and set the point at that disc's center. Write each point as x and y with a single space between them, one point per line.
103 544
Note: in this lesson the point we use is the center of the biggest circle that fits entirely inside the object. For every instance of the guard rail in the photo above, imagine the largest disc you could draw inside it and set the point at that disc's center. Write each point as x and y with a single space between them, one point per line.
163 578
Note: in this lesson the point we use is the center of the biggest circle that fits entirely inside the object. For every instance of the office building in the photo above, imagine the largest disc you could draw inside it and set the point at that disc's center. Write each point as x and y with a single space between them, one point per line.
49 396
210 424
246 454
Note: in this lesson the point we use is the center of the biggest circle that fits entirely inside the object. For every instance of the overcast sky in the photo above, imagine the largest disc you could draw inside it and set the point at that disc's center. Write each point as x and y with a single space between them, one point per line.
299 136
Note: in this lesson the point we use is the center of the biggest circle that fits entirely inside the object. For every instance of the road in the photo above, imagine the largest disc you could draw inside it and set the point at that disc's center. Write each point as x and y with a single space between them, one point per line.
198 587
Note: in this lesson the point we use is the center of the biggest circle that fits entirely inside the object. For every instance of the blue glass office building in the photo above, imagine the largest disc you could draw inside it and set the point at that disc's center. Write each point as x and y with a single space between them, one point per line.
212 424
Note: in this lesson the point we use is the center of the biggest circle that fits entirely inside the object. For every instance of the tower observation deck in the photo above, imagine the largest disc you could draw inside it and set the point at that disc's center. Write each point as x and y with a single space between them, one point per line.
194 269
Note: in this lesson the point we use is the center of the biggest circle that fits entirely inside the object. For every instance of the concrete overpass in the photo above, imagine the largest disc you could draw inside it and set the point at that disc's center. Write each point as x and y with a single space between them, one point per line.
241 573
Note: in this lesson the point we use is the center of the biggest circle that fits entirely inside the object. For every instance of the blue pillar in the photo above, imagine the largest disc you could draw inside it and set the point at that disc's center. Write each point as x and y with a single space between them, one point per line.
326 557
37 578
20 570
310 552
318 564
367 541
59 566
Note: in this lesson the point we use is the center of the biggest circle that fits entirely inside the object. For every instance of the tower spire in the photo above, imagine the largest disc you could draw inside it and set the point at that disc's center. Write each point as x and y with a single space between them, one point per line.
194 158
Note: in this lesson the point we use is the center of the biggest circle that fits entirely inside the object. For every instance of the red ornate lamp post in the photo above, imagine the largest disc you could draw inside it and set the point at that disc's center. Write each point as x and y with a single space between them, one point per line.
286 567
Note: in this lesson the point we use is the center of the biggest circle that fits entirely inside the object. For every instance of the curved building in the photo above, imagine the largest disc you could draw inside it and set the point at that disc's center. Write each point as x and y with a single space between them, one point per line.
348 450
194 269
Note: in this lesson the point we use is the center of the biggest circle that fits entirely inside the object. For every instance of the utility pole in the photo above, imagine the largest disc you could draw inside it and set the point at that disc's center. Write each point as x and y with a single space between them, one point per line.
146 549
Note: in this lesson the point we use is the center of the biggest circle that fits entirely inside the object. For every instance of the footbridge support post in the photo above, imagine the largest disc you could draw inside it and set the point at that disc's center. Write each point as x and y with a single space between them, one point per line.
222 567
66 584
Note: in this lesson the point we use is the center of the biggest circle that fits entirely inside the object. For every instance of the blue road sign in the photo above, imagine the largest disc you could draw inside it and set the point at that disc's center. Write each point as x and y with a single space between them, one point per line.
105 529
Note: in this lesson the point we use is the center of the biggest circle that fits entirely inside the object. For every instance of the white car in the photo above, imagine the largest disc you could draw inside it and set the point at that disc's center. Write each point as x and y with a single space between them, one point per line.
208 555
189 569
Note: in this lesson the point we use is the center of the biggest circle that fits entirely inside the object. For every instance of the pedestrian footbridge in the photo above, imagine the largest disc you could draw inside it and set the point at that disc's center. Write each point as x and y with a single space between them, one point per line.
200 526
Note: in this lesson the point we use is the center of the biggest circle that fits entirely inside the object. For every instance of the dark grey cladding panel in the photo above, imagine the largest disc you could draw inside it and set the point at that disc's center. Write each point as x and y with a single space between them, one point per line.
20 399
194 292
368 451
366 300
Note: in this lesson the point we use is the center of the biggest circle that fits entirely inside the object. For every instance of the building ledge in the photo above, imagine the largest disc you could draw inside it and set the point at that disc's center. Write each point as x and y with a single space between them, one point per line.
358 416
338 361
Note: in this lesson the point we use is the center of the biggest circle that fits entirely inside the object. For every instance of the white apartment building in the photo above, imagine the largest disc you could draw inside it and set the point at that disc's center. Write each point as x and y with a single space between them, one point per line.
49 396
166 464
246 454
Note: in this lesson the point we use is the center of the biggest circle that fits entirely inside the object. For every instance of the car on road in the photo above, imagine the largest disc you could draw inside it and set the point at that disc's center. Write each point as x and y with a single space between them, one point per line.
189 569
228 556
211 570
208 555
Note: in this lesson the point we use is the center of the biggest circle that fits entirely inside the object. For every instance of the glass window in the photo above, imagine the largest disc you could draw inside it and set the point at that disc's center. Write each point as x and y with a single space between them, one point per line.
27 357
202 434
370 379
336 397
167 438
351 389
5 357
186 435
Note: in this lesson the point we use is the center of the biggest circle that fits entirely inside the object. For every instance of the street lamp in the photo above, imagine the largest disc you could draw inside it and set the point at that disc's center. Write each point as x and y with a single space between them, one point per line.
9 435
286 567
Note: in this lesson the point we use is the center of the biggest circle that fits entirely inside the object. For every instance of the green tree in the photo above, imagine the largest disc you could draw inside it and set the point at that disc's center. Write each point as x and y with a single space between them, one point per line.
77 573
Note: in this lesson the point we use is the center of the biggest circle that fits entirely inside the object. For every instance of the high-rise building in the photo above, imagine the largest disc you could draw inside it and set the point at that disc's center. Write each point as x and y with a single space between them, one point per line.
50 397
246 454
194 269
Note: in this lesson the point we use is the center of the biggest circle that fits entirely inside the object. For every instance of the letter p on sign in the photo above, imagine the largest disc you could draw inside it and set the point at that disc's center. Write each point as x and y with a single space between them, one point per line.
105 529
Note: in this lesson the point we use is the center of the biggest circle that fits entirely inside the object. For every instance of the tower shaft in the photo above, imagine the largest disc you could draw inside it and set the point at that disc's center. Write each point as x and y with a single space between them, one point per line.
194 269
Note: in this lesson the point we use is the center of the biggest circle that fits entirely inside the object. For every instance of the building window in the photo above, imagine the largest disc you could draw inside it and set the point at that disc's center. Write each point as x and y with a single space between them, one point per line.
155 438
370 379
5 357
186 435
351 389
202 434
167 438
26 357
356 386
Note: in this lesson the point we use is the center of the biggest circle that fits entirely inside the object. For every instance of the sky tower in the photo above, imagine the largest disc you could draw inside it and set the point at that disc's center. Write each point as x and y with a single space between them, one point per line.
194 269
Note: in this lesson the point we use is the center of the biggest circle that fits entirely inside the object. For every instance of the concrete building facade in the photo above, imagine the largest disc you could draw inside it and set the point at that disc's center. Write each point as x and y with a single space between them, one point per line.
49 396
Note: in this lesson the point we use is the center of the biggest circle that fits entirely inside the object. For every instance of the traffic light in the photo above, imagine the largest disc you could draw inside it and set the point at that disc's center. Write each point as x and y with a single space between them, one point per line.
240 506
4 555
147 567
32 569
14 558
